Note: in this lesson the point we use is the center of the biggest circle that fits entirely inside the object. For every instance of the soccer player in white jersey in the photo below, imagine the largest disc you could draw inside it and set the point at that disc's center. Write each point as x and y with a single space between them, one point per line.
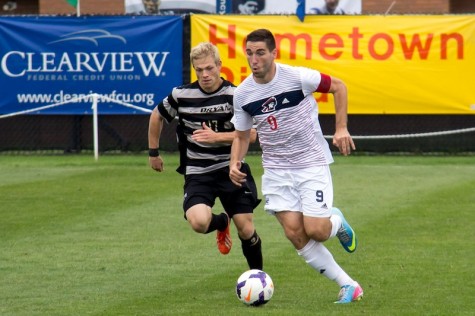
296 183
204 109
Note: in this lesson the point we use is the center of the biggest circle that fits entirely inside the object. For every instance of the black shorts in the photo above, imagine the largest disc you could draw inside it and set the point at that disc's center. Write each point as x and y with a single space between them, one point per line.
205 188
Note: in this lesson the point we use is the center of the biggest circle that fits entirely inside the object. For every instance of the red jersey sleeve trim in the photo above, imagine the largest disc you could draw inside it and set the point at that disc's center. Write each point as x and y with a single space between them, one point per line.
325 84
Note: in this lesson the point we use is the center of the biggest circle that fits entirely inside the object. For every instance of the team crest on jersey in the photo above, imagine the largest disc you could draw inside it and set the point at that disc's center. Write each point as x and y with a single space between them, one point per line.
269 105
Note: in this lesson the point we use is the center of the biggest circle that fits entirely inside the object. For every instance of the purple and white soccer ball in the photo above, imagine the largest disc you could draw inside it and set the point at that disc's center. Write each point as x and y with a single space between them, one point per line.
254 287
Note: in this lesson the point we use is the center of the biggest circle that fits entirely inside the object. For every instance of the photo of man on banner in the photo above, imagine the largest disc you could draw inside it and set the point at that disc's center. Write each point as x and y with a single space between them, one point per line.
245 7
248 6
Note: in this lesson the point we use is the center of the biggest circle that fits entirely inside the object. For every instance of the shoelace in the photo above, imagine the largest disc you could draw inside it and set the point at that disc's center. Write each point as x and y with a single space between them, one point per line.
342 235
342 292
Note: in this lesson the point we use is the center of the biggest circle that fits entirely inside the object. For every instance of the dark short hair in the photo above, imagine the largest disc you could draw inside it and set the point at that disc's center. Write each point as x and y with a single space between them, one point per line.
262 35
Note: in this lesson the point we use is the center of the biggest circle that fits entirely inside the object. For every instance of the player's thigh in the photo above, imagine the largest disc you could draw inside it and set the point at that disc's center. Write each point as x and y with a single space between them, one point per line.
279 192
200 213
317 228
315 189
198 189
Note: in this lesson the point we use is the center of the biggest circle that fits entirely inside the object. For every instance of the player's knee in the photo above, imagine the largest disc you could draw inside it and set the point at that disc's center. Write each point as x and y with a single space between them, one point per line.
246 231
198 223
199 217
318 229
319 234
198 226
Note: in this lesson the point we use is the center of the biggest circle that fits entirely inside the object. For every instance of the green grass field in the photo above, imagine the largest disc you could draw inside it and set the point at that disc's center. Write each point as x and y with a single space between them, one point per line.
80 237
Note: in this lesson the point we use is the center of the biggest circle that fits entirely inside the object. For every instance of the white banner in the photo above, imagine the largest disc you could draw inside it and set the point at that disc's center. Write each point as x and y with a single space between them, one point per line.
247 7
312 7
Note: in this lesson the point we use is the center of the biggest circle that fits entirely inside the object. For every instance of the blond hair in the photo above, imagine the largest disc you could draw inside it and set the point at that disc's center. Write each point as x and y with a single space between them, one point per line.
204 49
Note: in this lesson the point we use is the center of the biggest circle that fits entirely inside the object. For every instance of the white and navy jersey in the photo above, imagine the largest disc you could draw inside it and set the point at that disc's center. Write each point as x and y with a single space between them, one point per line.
193 106
286 117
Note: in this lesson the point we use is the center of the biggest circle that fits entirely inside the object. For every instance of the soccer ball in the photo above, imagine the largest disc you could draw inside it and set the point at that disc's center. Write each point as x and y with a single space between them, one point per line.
254 287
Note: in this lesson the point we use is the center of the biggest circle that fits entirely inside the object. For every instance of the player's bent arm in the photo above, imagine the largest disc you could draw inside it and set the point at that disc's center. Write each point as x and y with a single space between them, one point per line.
207 135
342 138
340 95
229 137
155 126
238 151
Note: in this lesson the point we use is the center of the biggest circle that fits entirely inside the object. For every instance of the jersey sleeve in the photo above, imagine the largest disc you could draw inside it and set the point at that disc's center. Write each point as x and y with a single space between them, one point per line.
314 81
168 108
241 119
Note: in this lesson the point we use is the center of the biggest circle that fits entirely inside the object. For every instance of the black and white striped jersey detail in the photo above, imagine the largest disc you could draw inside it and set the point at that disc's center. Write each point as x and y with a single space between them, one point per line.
285 114
193 106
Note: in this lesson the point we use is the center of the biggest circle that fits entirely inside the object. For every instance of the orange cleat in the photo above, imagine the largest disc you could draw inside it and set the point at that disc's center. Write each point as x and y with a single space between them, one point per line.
223 239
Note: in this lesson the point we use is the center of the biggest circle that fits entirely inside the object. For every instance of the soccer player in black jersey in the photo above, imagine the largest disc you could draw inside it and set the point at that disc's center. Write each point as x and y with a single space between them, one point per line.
204 109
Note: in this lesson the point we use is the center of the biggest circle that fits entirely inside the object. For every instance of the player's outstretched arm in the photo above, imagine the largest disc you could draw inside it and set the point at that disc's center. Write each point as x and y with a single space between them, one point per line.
238 151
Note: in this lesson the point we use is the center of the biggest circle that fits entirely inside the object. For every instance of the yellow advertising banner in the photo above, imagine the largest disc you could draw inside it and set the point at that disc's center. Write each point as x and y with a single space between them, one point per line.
416 64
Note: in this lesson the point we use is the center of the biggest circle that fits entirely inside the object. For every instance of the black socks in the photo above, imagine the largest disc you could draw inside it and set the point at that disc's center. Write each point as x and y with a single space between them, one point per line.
218 222
252 250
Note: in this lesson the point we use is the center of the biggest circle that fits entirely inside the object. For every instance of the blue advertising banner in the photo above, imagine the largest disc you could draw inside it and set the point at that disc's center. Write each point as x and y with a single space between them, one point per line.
51 60
224 6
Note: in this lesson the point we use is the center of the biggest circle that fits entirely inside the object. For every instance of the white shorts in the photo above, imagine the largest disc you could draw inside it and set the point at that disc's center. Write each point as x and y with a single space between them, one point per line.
306 190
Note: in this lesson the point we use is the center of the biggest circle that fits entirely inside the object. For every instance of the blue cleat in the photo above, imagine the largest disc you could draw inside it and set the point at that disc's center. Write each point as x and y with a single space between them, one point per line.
350 293
345 233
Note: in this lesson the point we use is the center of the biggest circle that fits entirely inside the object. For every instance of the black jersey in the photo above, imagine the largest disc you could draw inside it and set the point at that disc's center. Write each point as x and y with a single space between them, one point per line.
193 106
